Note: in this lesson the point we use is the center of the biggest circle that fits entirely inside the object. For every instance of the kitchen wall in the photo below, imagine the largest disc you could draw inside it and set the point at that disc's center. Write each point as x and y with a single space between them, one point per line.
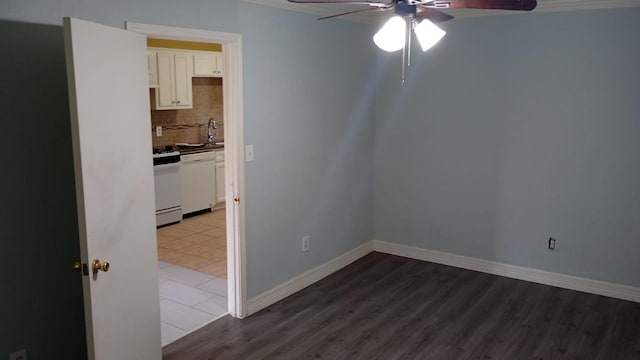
514 129
190 125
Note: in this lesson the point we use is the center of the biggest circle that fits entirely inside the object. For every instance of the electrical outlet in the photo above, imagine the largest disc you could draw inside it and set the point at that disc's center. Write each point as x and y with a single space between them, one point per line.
305 242
552 243
158 130
18 355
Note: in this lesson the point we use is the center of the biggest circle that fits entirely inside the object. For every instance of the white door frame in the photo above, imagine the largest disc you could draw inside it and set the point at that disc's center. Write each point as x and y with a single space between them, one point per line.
233 150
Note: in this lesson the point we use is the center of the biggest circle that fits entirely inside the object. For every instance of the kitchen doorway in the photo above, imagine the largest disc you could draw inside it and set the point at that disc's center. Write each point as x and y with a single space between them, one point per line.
192 274
221 228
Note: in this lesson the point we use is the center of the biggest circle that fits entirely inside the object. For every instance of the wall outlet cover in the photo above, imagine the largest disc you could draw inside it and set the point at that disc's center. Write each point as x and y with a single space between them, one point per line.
18 355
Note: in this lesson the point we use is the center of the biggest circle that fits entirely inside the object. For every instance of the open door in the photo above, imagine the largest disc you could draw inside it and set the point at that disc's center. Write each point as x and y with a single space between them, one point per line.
109 101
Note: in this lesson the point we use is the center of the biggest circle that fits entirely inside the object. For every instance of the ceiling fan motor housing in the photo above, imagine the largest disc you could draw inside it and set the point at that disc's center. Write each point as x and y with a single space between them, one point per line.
404 9
430 3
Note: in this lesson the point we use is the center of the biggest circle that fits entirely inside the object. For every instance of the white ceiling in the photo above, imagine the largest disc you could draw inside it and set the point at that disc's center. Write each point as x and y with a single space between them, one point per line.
376 17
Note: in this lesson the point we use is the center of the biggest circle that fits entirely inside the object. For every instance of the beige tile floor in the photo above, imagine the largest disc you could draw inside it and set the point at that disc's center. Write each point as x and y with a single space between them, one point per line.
197 243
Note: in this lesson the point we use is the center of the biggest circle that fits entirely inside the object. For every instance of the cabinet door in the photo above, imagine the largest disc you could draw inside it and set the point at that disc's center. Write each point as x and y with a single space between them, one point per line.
174 90
152 63
219 69
204 64
207 64
165 91
183 74
220 182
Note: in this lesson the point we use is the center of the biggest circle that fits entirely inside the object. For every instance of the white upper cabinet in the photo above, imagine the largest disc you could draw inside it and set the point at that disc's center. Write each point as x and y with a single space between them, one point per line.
170 73
175 70
152 63
207 64
184 73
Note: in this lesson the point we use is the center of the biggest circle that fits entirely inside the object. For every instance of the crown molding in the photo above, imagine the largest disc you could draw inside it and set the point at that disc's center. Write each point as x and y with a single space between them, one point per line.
375 17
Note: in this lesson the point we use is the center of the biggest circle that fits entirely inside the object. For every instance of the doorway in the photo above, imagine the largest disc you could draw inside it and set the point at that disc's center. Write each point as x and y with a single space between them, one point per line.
192 274
233 157
189 173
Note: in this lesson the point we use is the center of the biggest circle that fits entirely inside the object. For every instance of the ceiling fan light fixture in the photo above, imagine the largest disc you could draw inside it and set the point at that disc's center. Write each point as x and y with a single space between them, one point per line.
428 34
392 35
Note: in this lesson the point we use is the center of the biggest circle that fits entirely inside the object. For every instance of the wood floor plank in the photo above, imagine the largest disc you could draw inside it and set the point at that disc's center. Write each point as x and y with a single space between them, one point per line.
388 307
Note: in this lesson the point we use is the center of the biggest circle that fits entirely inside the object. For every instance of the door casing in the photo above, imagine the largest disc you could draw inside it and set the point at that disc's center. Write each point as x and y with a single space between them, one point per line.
234 149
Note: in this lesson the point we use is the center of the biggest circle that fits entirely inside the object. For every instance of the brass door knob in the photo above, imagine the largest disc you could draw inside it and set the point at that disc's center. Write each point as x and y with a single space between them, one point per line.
97 266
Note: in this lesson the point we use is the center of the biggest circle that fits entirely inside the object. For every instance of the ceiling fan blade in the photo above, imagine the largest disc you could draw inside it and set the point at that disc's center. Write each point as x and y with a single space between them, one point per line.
434 15
522 5
353 12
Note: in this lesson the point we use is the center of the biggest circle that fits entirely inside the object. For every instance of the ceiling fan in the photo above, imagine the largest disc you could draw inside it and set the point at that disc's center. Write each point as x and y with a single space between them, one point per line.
419 16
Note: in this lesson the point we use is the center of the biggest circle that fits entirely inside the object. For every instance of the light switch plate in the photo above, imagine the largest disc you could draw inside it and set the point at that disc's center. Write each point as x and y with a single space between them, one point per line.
248 153
305 242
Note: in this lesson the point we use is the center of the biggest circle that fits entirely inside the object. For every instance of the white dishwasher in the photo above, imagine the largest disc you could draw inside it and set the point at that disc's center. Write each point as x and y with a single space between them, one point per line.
198 174
220 180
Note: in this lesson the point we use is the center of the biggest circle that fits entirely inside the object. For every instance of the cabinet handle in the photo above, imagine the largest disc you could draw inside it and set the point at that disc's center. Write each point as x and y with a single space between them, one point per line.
178 102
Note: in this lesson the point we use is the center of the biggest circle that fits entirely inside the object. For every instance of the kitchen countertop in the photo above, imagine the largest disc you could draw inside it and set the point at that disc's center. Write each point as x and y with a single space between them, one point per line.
194 150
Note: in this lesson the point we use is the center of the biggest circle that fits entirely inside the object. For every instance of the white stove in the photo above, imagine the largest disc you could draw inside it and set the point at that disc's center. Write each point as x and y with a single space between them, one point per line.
166 171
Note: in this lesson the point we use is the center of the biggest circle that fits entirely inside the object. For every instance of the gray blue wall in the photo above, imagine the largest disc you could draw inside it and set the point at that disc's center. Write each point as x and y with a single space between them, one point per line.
309 92
308 95
512 130
41 294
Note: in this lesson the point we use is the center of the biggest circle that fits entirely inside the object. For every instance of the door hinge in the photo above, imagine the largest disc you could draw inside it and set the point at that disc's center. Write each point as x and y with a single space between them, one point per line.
78 266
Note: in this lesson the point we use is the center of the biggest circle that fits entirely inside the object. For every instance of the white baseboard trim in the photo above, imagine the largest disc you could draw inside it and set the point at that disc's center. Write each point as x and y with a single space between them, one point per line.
307 278
511 271
318 273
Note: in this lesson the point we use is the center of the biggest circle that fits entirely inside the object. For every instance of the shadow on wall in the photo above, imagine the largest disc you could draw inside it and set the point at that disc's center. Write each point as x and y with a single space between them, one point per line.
42 308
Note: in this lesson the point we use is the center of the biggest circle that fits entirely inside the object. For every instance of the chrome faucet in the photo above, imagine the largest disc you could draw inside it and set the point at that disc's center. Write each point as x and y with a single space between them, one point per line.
212 124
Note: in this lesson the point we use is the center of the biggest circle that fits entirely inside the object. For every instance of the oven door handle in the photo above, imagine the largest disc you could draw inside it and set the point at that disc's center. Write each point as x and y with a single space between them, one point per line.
168 166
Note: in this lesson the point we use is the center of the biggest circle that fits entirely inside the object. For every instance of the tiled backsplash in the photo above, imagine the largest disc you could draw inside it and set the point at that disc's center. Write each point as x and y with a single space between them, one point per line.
190 125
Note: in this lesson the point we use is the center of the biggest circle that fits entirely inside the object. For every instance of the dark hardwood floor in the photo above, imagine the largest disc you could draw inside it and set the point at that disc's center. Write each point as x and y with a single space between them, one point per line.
389 307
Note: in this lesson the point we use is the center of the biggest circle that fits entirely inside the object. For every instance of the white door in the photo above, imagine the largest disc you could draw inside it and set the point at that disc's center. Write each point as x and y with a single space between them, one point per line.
109 102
